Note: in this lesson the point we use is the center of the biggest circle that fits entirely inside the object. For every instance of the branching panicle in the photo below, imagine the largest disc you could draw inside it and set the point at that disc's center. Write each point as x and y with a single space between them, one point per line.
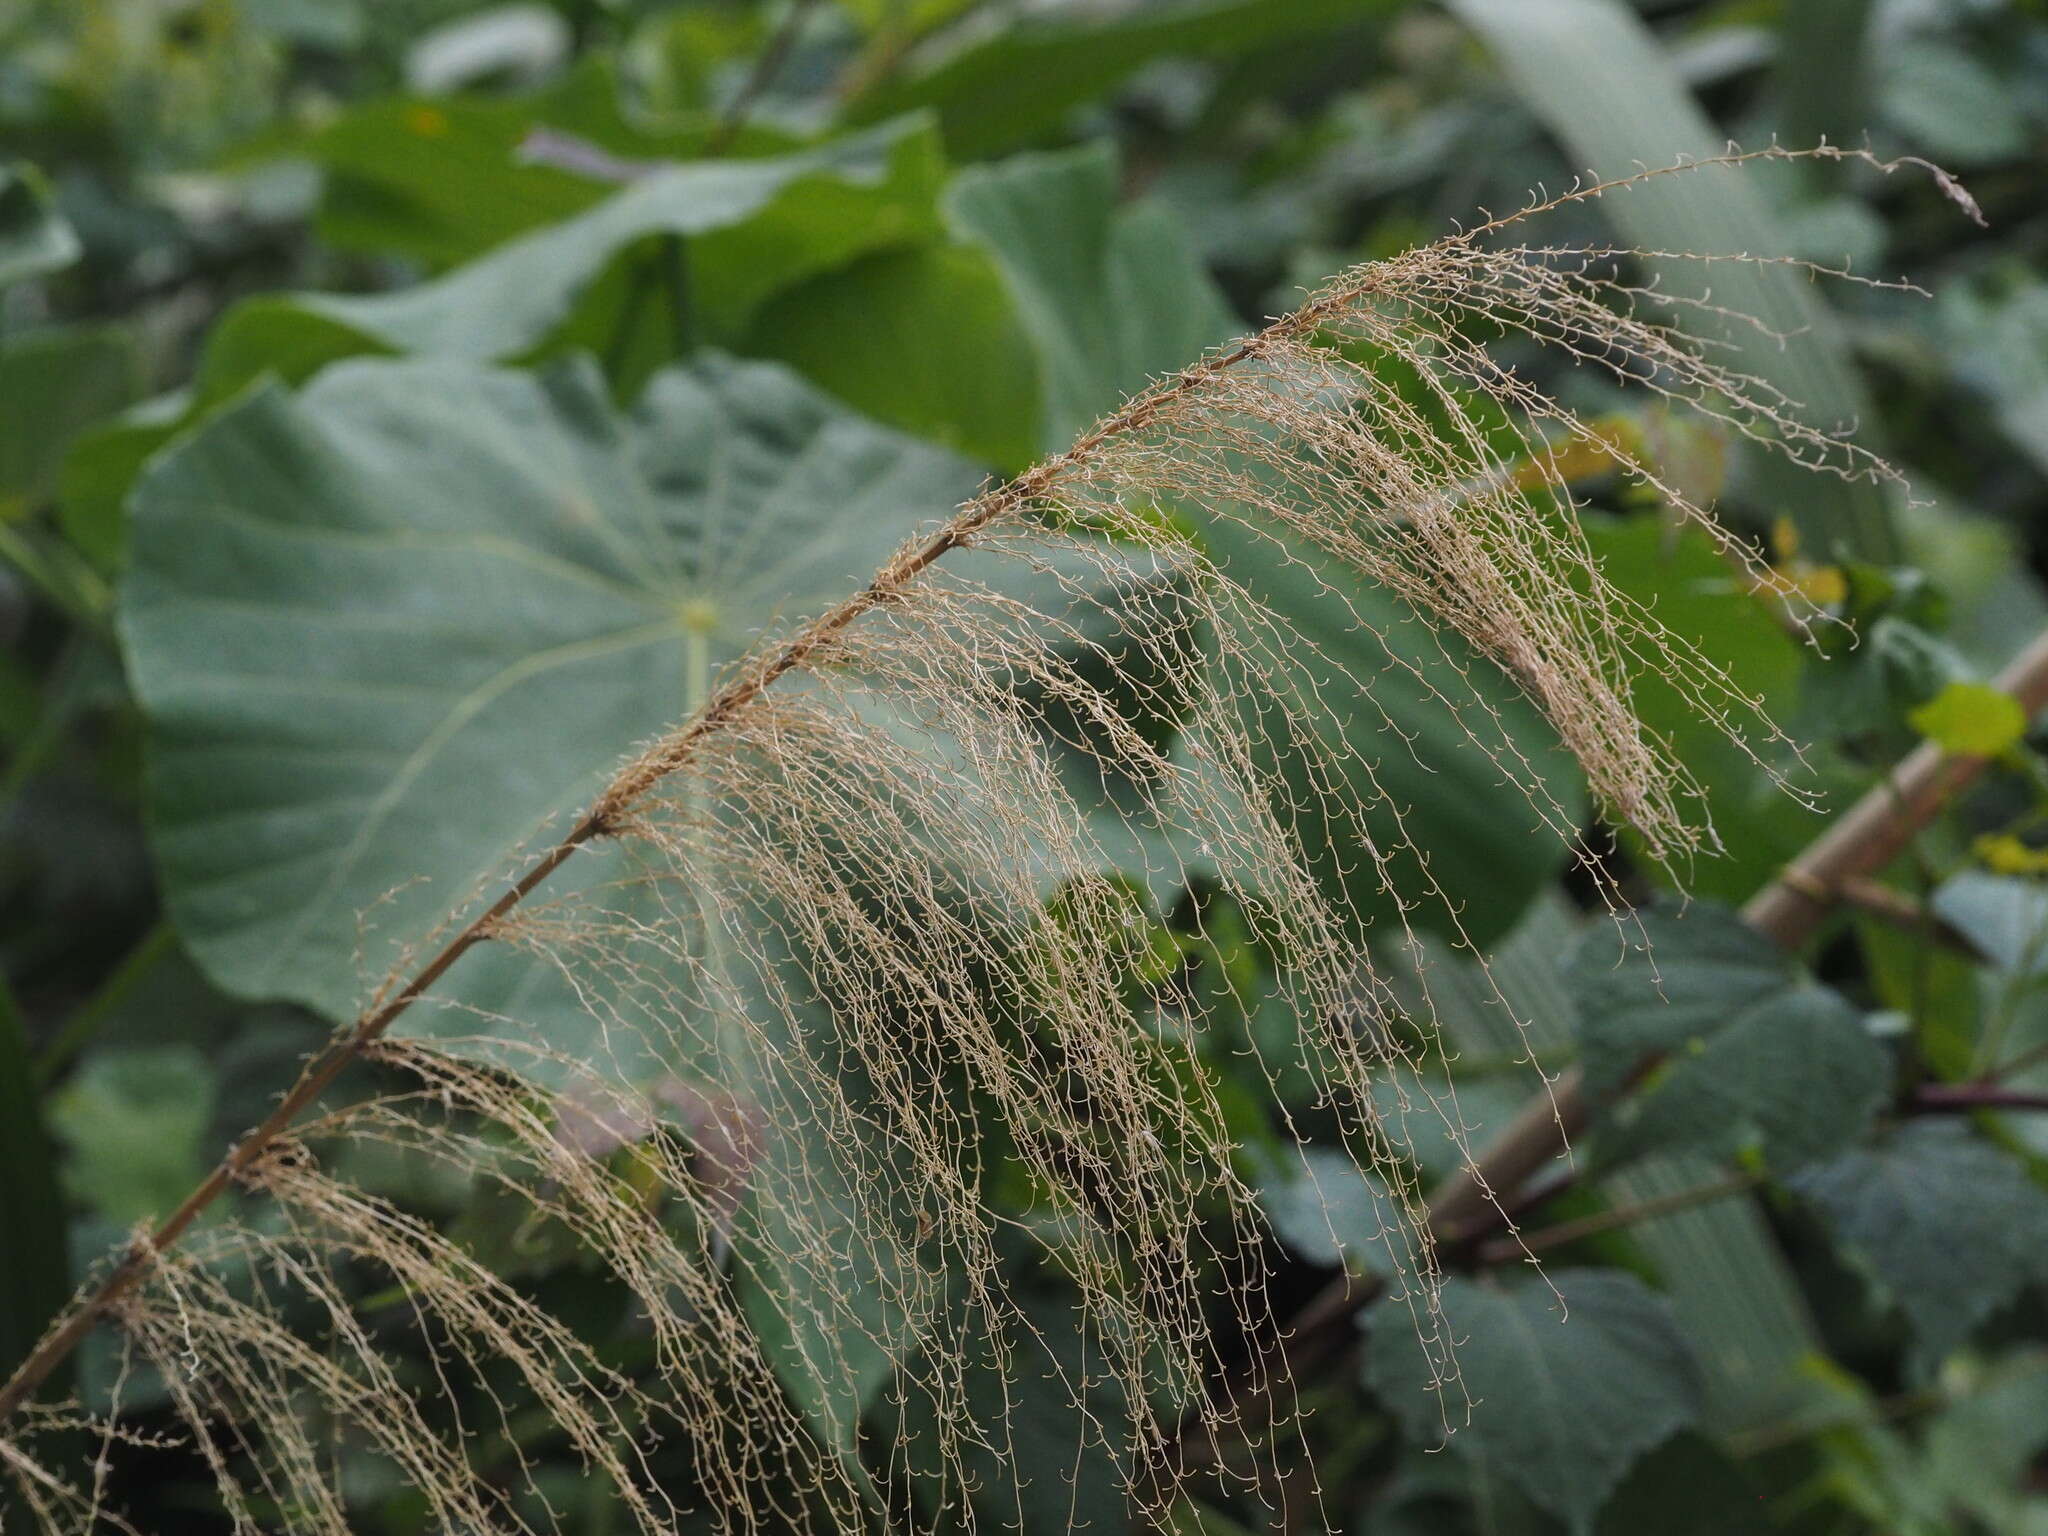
842 956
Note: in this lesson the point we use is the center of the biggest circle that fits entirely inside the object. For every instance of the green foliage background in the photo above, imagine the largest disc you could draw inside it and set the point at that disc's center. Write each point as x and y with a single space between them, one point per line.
406 405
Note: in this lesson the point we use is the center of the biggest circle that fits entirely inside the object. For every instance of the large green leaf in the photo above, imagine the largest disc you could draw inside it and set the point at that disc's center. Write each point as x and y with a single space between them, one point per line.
926 339
1019 84
1949 1226
56 382
1594 73
1112 297
1755 1051
35 239
1564 1398
385 629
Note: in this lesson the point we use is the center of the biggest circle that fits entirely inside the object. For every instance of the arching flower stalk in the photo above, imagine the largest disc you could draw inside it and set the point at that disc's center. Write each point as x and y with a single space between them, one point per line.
853 966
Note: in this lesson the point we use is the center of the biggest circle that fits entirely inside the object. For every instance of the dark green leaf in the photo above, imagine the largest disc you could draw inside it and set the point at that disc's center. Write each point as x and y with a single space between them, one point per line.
56 382
35 239
1947 1225
134 1124
1755 1051
1019 85
1563 1399
926 340
1111 297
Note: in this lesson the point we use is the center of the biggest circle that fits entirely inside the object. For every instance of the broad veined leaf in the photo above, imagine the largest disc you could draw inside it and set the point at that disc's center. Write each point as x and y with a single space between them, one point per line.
1019 84
1754 1050
1949 1226
384 629
1564 1398
35 239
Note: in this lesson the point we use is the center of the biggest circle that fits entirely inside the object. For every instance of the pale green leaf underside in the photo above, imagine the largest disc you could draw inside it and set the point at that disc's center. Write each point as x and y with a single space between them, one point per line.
388 628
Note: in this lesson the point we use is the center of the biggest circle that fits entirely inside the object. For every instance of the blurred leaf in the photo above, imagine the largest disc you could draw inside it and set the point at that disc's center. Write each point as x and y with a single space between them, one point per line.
35 239
35 1275
2003 344
1947 1225
134 1124
2005 919
1564 1399
1755 1050
1019 84
519 42
382 631
1113 297
1971 720
1595 75
1329 1212
926 340
100 466
54 383
443 179
754 226
1949 106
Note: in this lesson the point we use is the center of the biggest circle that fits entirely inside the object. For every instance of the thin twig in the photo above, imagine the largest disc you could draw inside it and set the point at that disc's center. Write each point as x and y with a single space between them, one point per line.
1505 1250
766 68
1962 1098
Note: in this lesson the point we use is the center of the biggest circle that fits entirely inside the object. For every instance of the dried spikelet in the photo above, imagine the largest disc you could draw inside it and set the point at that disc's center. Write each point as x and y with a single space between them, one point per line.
846 958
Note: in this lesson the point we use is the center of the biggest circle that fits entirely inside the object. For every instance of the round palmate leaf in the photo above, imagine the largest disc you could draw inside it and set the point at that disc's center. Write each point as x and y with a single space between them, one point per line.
384 629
